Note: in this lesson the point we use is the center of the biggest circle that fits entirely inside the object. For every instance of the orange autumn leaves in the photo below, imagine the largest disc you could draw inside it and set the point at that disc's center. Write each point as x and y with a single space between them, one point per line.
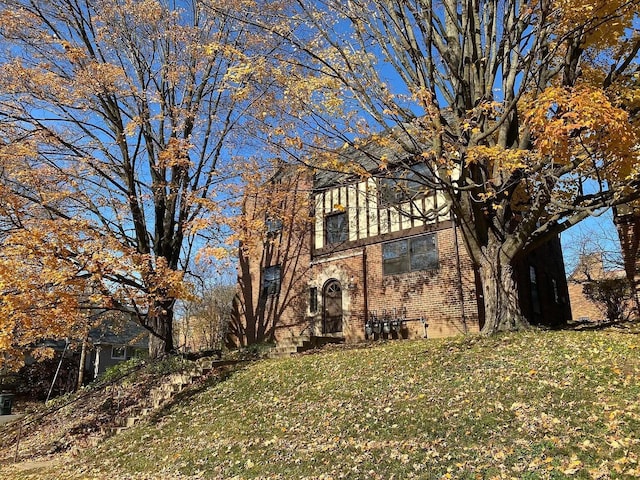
581 122
581 125
55 275
40 292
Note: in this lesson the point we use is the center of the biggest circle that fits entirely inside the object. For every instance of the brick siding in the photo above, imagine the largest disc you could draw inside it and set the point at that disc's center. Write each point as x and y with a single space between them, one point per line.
442 299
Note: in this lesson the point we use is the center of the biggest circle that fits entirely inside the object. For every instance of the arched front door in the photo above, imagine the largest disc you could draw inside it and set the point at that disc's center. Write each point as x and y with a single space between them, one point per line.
332 307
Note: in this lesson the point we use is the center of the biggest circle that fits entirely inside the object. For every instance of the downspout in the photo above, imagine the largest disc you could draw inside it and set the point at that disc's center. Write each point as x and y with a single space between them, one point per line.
459 271
365 287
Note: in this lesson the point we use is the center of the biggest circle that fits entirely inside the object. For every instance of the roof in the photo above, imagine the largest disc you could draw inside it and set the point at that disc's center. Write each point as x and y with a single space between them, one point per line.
119 330
368 156
591 267
385 148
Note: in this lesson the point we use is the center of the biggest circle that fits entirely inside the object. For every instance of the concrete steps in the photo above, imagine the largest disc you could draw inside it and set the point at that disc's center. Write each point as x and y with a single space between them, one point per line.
291 345
161 395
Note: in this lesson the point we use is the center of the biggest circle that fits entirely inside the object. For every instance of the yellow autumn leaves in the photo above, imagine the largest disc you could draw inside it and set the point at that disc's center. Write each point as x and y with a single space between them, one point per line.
580 121
599 22
578 125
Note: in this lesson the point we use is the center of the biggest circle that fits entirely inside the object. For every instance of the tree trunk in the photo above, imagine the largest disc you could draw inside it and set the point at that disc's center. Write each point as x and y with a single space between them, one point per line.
161 323
502 306
83 359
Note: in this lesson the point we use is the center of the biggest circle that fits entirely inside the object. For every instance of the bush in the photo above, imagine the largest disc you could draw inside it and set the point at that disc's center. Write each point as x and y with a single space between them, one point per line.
613 295
34 381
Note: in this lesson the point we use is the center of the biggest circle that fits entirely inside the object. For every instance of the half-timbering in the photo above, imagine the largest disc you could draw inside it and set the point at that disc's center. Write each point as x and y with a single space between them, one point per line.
359 257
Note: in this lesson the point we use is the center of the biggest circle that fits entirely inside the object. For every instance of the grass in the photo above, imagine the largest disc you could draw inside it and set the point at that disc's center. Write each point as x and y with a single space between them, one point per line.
528 405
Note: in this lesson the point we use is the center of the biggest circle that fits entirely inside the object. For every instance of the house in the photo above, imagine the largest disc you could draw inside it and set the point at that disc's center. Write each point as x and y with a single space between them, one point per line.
346 256
114 340
591 269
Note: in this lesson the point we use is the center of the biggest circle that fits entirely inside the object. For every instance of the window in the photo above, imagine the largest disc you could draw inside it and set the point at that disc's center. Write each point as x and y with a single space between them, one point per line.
273 225
535 294
336 228
403 185
118 352
271 280
410 255
554 287
313 299
423 252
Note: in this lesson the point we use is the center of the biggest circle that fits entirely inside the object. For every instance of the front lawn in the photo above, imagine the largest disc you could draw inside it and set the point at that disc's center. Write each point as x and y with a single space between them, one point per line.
528 405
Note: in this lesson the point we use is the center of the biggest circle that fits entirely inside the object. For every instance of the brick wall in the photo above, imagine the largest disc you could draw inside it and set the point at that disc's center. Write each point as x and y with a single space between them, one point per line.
259 315
443 298
628 224
590 267
583 309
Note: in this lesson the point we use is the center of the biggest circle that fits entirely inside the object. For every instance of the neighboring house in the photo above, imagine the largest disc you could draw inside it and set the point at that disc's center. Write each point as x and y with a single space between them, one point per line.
350 257
114 341
590 268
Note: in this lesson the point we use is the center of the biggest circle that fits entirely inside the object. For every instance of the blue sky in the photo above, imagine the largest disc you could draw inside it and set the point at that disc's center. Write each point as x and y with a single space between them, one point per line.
592 235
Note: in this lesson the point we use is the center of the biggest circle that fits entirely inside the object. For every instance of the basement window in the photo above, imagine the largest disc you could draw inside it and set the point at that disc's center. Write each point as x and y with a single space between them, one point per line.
410 255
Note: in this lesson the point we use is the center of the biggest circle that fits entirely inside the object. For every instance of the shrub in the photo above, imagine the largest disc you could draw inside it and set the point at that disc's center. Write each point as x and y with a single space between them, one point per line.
613 295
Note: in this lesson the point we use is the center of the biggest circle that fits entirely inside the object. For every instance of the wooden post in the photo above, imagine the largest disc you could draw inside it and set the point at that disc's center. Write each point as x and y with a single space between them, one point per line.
83 358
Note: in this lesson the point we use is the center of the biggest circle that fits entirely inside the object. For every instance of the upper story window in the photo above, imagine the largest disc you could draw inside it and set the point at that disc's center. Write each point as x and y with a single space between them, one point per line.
410 255
336 228
273 225
402 186
271 280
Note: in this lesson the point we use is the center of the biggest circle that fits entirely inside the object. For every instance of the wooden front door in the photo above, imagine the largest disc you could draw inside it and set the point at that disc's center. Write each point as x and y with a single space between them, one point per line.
332 307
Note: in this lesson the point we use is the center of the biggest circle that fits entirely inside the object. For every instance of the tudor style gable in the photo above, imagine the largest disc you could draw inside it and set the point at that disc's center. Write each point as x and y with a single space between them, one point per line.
349 213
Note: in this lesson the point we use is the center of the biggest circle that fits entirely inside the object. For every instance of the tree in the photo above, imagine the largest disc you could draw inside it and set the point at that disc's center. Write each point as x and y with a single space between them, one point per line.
118 131
594 239
525 111
272 233
205 319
